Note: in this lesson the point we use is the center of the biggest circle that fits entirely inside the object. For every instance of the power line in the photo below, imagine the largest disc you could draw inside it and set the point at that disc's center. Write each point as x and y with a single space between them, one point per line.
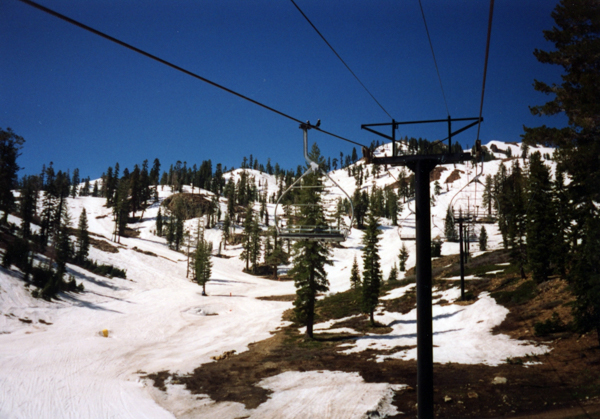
487 54
176 67
340 58
434 60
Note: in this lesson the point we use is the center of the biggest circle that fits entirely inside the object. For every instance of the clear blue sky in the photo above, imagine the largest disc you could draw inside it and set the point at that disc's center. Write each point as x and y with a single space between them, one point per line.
82 101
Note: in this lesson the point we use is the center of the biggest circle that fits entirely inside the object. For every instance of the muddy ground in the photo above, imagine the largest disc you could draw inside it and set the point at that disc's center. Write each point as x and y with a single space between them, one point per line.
565 383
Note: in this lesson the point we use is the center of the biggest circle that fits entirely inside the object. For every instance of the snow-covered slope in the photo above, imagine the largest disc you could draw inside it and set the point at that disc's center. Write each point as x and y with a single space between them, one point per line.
54 361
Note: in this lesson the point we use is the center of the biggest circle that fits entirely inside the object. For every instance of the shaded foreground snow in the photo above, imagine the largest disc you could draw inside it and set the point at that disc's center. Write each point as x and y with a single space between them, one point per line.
297 395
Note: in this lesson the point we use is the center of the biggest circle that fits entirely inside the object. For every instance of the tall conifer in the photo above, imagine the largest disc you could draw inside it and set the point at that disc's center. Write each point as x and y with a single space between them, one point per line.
372 275
310 257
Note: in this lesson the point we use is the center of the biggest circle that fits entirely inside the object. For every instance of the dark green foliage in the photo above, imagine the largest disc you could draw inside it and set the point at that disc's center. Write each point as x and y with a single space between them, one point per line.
436 248
63 247
403 257
75 180
540 219
310 257
53 205
372 276
202 263
391 206
251 243
512 211
103 270
83 238
523 293
121 208
393 273
28 203
10 145
584 278
483 239
361 205
17 253
226 229
155 173
355 279
159 223
50 284
576 38
450 227
275 258
437 188
488 195
552 325
559 251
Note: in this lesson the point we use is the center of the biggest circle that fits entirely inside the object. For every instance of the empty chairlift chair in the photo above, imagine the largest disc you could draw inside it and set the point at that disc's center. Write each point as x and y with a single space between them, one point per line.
295 224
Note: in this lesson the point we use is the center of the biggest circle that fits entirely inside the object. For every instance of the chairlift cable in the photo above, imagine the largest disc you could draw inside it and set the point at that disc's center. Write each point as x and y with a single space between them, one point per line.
340 58
487 53
434 60
174 66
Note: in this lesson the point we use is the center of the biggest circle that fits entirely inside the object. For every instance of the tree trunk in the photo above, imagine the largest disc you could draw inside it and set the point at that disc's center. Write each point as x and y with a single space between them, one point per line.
310 316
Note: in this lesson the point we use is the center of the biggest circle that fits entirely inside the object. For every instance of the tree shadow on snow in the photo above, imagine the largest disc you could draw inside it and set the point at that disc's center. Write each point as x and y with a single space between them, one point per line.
81 303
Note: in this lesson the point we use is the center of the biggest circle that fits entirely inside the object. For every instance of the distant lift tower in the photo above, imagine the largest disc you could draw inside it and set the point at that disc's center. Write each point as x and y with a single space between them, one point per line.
422 165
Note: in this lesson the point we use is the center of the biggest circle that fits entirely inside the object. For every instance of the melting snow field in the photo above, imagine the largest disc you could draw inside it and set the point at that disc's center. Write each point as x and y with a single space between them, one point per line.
54 362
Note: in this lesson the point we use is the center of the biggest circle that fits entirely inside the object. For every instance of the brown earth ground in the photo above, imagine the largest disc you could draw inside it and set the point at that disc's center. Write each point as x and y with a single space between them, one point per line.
566 383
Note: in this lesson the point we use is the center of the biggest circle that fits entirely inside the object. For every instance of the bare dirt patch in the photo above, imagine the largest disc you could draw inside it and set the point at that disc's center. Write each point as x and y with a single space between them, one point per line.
103 245
436 173
455 175
145 252
287 297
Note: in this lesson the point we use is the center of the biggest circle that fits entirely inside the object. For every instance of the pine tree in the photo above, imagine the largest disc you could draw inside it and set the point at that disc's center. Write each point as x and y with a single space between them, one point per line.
202 263
450 227
247 244
226 229
255 247
483 239
121 209
355 279
75 182
310 257
487 195
502 201
62 245
28 204
515 214
372 276
155 173
403 257
584 278
10 145
83 238
159 223
540 218
576 37
393 273
436 248
437 188
276 257
559 252
392 206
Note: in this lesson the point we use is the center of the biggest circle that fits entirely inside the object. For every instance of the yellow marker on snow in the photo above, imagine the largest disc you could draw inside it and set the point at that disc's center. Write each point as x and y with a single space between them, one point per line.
105 333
